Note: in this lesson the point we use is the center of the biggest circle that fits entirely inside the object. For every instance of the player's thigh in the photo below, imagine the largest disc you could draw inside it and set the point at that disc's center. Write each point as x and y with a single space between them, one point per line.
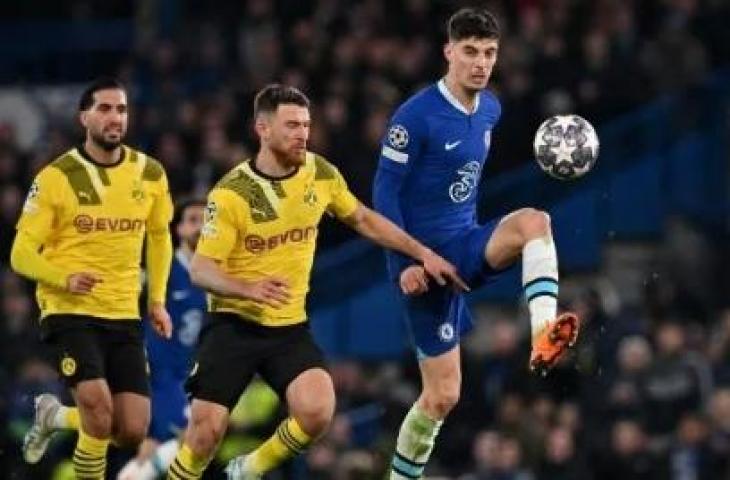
510 234
126 362
437 319
468 252
289 356
226 360
77 350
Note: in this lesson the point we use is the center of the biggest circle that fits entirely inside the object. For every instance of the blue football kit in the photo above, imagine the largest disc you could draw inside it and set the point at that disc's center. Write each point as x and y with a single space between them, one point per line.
170 360
431 161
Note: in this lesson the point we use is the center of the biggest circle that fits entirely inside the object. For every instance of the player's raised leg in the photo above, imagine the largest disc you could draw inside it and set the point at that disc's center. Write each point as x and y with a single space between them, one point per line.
207 425
311 402
441 377
527 232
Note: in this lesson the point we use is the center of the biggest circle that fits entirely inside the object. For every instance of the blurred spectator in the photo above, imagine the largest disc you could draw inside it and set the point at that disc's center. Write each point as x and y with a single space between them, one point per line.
676 383
628 457
561 459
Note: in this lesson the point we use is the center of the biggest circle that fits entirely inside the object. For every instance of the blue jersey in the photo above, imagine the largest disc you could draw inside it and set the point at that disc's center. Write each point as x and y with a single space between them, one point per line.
431 162
186 304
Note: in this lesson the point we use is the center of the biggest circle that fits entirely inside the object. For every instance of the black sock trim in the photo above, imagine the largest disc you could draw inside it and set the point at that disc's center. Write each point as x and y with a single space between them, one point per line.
541 294
409 461
540 279
401 472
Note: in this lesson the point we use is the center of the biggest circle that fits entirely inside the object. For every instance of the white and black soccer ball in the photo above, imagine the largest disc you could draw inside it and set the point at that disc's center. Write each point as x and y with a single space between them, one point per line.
566 146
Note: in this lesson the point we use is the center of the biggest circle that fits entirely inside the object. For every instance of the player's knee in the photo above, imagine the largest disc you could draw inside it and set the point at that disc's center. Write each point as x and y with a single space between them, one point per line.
533 223
130 435
97 413
438 402
315 415
204 436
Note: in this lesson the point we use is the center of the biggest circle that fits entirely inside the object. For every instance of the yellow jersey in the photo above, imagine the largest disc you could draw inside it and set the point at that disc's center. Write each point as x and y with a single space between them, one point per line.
257 226
92 218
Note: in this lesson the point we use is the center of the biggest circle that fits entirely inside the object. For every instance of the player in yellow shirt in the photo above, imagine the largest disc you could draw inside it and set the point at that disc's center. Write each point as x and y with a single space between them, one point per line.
80 238
254 257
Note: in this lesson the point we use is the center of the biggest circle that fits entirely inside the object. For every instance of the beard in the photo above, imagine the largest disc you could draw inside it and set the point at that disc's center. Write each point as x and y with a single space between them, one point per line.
108 145
289 158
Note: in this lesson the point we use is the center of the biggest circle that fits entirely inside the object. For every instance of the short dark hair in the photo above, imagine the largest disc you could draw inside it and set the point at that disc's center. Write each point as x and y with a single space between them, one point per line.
183 205
472 22
275 94
103 83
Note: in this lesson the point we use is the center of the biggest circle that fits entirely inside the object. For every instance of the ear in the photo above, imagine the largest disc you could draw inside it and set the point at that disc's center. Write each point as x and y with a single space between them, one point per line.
82 118
261 127
178 228
448 51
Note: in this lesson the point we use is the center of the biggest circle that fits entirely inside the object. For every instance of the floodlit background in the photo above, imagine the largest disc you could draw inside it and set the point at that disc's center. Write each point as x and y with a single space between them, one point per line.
643 239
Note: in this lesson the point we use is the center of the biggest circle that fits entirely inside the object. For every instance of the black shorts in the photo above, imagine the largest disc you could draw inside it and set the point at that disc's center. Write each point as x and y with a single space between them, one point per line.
87 348
232 350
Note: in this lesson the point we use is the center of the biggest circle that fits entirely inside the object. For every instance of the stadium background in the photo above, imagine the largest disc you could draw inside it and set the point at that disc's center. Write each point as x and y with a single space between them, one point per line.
643 239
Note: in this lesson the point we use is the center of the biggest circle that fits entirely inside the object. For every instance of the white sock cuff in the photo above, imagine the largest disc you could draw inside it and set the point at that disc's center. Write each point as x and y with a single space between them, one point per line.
539 259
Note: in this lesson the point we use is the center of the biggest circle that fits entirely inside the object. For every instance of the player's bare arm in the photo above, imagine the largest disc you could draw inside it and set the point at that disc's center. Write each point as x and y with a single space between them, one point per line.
382 231
206 273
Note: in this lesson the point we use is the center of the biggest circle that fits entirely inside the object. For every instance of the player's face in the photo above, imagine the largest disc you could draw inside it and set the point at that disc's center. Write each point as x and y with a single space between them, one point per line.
188 230
287 133
471 61
106 120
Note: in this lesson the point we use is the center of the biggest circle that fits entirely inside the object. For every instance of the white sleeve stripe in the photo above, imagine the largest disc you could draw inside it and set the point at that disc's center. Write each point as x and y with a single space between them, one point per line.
394 155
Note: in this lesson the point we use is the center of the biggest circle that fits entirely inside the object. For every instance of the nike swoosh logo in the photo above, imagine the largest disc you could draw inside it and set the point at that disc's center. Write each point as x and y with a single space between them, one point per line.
452 145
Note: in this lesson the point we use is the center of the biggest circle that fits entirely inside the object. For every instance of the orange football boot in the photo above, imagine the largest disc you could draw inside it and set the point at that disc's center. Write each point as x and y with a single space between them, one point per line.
550 344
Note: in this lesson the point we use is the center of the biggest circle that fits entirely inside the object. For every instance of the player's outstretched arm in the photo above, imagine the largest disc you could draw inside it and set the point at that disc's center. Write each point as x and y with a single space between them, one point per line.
382 231
207 274
26 260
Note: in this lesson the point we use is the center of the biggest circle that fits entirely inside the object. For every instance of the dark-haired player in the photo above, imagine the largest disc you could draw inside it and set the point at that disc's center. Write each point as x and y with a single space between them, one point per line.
80 238
254 257
430 165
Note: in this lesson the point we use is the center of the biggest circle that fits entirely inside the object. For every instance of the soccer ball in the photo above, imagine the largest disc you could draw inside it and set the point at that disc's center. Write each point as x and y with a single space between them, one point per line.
566 146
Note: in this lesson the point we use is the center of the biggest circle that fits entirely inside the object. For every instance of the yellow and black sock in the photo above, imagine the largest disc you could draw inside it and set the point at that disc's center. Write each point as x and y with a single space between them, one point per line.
89 458
288 441
186 466
67 418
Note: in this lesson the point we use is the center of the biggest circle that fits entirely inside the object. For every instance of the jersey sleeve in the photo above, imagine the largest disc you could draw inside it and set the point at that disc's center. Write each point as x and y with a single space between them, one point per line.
403 141
400 148
221 226
162 209
41 205
343 203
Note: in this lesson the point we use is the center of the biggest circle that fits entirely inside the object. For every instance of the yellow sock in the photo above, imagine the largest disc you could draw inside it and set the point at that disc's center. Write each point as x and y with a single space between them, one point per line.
66 418
90 457
186 466
288 440
71 418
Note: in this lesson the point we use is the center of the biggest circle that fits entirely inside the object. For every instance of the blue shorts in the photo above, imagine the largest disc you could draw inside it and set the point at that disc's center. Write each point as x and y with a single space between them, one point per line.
169 405
438 318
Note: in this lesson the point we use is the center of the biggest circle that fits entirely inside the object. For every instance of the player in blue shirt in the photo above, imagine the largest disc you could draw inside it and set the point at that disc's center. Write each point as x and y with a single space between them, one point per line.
430 165
170 359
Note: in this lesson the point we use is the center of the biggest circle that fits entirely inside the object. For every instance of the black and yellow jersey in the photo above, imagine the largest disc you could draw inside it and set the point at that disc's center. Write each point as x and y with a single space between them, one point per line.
257 226
92 218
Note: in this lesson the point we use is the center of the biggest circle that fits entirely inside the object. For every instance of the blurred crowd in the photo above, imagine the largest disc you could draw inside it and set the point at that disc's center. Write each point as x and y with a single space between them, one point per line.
647 395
